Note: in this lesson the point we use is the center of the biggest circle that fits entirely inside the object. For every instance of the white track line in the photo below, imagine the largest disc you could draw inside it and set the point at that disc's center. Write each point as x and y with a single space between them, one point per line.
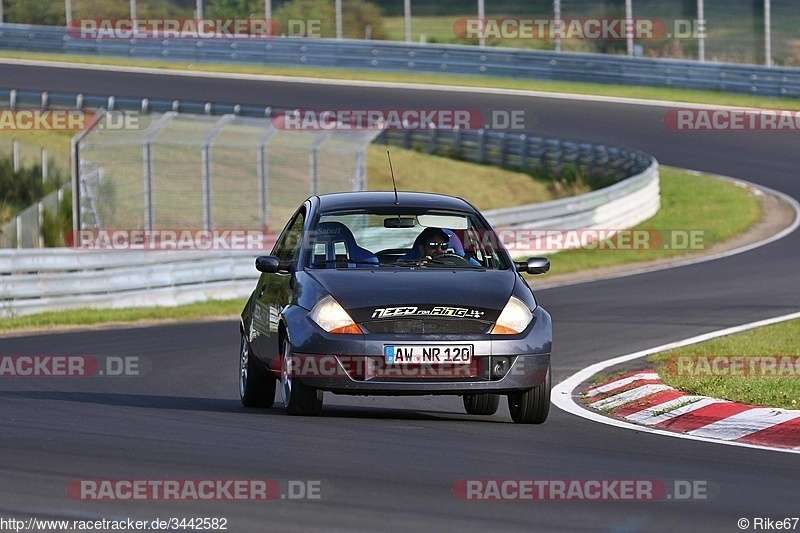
562 396
629 396
793 203
671 409
745 423
567 405
621 383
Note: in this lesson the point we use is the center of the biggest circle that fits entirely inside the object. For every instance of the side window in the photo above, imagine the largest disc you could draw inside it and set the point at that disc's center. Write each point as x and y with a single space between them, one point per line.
288 245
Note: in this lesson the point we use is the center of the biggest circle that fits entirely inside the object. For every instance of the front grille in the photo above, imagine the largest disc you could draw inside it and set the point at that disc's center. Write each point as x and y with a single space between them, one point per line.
427 325
375 369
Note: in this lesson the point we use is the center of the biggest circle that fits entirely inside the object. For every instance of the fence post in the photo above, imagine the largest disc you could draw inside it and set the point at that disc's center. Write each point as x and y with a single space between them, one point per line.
40 224
360 178
206 170
44 165
262 184
313 161
15 154
206 174
147 160
19 232
313 166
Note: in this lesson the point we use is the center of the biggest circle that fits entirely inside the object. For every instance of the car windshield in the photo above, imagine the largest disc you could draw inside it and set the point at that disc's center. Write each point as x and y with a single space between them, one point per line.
420 239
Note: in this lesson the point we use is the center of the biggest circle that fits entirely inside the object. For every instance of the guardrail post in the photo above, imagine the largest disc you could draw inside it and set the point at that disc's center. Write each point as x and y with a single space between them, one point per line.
481 146
523 152
502 147
407 139
432 138
12 99
457 143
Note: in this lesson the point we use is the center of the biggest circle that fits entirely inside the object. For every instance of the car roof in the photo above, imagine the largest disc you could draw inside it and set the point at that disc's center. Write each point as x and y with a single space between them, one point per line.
365 199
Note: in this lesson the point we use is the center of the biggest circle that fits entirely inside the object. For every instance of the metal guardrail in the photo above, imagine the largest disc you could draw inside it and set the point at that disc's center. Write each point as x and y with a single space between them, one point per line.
402 57
59 278
38 280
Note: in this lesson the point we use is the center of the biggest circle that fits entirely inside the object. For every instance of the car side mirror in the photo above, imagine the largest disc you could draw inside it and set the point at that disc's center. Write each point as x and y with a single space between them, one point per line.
270 264
534 265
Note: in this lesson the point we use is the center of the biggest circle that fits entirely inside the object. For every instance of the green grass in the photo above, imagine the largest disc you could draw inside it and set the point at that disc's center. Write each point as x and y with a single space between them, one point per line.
678 187
781 339
88 317
652 93
487 187
689 202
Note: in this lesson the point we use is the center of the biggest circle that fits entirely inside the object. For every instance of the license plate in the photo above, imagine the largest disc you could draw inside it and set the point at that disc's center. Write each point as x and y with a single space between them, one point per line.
427 354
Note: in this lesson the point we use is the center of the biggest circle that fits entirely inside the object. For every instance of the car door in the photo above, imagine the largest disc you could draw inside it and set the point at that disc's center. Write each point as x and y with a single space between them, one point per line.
274 291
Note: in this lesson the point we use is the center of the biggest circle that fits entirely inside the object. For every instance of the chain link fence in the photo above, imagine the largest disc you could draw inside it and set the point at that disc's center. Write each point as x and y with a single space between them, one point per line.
181 171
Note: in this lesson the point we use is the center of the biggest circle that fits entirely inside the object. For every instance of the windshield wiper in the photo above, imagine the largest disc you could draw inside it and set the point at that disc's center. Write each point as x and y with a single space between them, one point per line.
343 262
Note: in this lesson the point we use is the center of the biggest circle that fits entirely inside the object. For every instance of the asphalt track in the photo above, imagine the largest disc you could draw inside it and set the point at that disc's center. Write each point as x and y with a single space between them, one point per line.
391 463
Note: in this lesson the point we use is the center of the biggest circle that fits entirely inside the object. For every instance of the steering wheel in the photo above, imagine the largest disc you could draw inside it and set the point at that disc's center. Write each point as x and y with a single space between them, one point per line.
447 259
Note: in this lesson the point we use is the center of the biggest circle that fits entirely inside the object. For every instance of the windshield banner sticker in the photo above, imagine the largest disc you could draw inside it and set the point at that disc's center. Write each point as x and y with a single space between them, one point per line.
391 312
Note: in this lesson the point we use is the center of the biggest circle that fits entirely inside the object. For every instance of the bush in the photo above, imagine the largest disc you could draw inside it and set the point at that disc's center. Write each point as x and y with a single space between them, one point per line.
34 12
24 187
356 16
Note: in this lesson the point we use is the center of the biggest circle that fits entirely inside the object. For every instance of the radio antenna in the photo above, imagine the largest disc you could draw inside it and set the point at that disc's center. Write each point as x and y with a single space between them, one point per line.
394 183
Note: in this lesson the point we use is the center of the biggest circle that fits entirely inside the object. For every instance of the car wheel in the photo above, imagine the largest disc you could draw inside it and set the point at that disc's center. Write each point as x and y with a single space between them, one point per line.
531 406
256 387
481 404
298 398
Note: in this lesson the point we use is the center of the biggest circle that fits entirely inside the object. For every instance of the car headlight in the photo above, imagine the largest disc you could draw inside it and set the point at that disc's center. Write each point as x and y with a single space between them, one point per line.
332 317
514 319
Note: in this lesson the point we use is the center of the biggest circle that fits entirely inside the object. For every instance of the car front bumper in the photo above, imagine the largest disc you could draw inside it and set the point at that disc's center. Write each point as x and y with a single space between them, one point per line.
355 364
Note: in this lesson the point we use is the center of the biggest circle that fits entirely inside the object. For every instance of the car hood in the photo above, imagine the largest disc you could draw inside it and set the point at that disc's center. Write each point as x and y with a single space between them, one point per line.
472 293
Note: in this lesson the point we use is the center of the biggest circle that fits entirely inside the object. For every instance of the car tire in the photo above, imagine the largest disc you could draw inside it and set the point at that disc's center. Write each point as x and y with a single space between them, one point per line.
481 404
531 406
298 398
256 386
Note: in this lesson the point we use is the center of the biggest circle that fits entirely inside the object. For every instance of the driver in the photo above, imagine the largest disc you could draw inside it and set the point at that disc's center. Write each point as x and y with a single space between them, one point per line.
428 244
432 242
